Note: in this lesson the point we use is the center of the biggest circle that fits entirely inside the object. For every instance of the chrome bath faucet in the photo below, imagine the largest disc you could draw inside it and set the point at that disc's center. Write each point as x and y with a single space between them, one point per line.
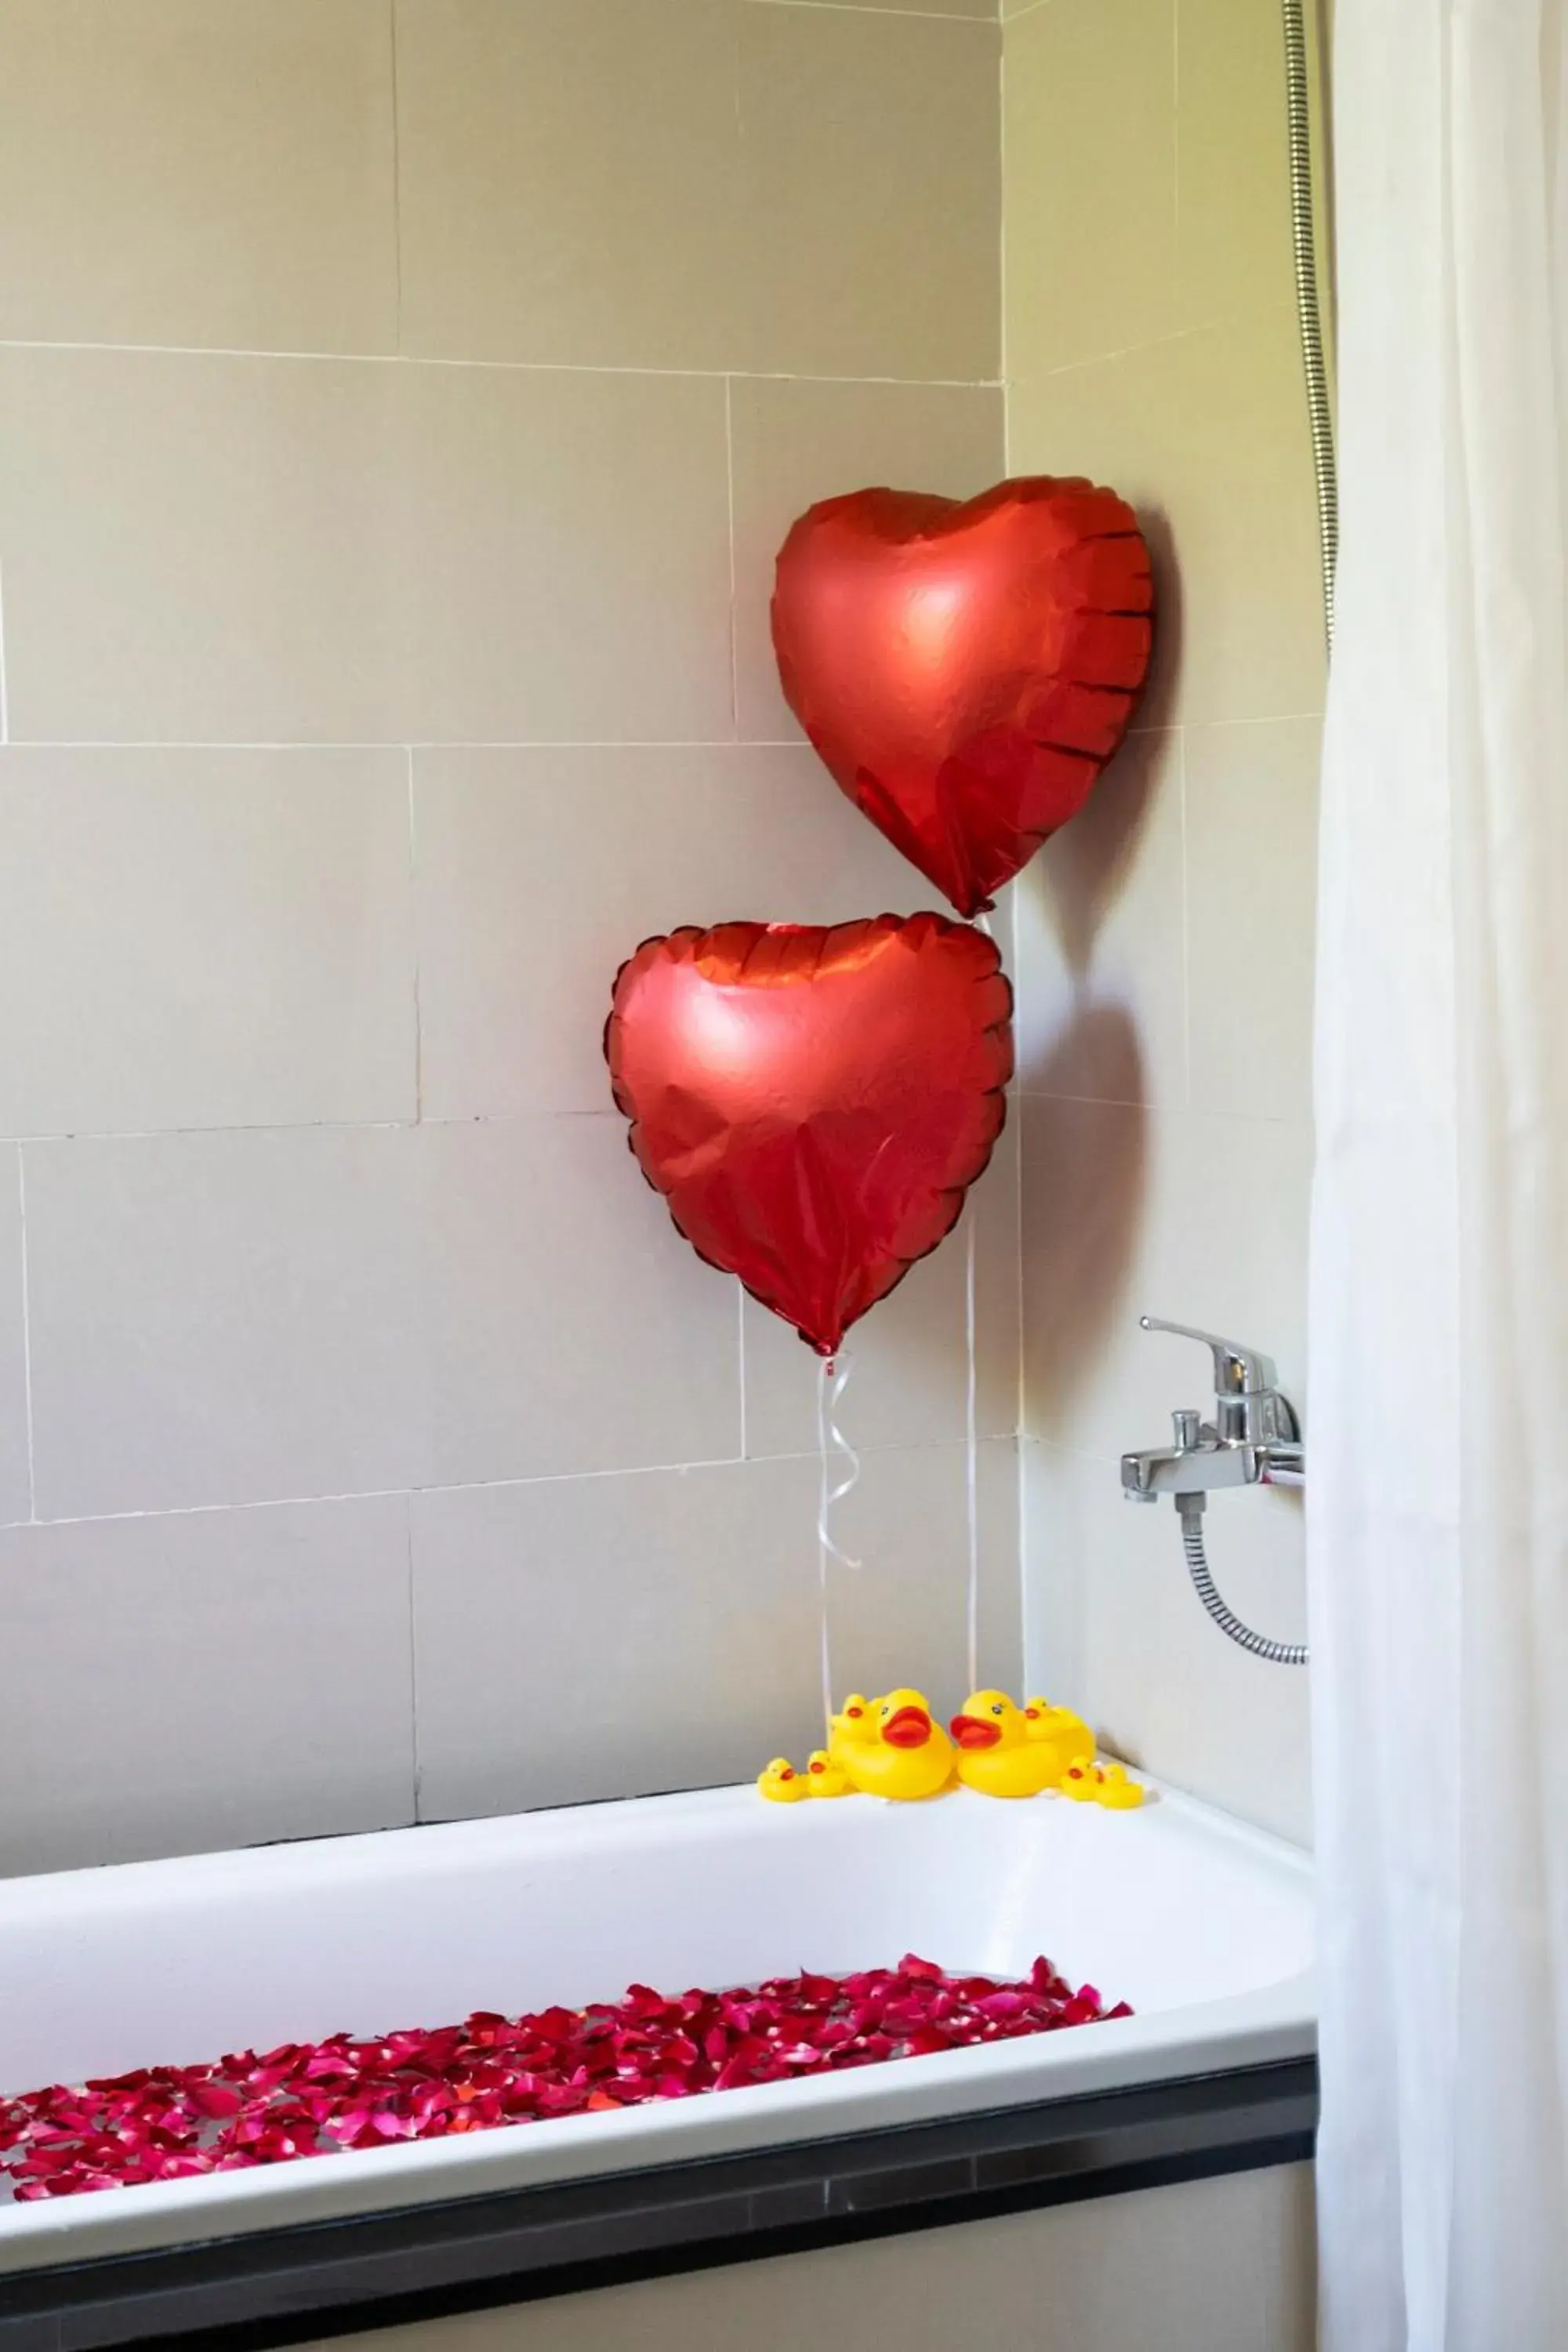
1254 1439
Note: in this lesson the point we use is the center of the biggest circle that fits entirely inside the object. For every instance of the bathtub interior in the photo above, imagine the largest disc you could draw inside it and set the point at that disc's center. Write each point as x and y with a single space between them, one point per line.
104 1970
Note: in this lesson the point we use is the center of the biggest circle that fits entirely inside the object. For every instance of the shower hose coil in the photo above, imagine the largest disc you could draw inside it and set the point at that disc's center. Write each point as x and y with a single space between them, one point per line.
1304 252
1320 423
1258 1645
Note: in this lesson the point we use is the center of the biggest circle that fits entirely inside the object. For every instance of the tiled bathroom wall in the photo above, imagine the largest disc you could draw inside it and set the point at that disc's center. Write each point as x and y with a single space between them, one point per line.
400 405
1166 937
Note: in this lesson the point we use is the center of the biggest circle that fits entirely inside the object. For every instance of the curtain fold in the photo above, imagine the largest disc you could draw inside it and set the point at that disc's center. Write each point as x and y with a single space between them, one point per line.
1437 1530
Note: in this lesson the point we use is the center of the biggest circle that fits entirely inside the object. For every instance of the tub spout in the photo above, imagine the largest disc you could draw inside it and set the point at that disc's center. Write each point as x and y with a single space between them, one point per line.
1253 1440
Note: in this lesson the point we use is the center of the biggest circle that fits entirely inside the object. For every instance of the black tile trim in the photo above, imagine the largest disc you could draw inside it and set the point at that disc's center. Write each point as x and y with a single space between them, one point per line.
275 2287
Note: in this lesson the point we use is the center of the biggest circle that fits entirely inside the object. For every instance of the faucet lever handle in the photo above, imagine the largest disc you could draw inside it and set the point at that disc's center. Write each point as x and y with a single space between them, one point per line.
1237 1371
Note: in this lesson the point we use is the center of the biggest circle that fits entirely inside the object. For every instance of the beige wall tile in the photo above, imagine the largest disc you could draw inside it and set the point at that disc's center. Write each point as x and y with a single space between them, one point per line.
219 1679
1090 189
213 172
277 1313
984 10
687 1603
1206 435
1195 410
1198 1218
567 1326
596 228
908 1354
1101 989
565 556
870 194
1118 421
259 551
681 1615
540 872
198 549
1246 532
226 1318
1234 208
1086 1177
796 443
1120 1634
16 1474
900 1617
1252 871
203 939
1222 2265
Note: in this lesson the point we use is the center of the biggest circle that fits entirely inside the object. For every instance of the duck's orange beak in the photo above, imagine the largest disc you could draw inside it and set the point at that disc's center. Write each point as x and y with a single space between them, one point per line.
910 1727
973 1731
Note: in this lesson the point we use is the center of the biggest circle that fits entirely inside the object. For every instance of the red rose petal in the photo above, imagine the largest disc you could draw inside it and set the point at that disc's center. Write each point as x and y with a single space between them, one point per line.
304 2099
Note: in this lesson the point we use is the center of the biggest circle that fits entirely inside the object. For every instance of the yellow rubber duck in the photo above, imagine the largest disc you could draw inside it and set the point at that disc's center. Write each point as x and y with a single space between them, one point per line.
1115 1791
1065 1735
909 1754
823 1778
781 1783
997 1755
1078 1781
855 1726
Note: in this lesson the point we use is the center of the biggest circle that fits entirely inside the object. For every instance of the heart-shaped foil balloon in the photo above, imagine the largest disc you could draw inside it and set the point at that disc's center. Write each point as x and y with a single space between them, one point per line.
812 1103
966 670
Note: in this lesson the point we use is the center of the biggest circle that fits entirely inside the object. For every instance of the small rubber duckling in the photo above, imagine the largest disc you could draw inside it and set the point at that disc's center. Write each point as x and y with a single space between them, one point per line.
855 1724
909 1754
996 1755
1115 1791
781 1783
1066 1735
823 1778
1078 1781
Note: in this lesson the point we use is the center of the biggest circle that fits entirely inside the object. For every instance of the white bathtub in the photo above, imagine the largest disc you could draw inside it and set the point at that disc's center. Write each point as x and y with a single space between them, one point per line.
1202 1924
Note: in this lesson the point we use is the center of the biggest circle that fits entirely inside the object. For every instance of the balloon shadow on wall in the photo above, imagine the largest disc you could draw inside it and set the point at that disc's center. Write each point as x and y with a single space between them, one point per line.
1083 871
1086 1146
1156 706
1085 1175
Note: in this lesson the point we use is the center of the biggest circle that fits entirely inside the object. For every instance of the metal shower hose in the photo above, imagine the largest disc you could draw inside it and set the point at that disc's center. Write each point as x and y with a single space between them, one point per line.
1321 420
1276 1653
1304 251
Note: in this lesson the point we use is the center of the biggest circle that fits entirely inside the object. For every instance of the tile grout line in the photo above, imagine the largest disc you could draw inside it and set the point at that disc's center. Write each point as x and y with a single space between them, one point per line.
27 1335
1021 1399
859 8
1002 243
5 695
734 619
413 933
416 1770
302 1127
448 744
520 1120
514 367
397 182
478 1485
1176 148
1187 925
741 1337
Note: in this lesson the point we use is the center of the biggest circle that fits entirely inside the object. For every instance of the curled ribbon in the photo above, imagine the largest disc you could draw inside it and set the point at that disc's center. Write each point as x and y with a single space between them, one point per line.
829 1392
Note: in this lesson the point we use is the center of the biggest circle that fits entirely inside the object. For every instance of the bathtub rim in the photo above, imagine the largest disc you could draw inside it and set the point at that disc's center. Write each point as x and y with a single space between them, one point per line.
319 2282
1267 2025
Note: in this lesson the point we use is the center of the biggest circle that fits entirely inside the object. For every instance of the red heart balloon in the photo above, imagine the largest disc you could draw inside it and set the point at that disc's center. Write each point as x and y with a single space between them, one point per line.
966 671
813 1103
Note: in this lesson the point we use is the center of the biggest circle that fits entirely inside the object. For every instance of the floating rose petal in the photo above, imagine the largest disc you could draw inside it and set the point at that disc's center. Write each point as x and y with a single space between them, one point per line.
305 2099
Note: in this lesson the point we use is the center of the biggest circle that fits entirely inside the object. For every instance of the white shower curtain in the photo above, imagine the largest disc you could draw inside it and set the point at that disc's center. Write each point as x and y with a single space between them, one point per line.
1438 1508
